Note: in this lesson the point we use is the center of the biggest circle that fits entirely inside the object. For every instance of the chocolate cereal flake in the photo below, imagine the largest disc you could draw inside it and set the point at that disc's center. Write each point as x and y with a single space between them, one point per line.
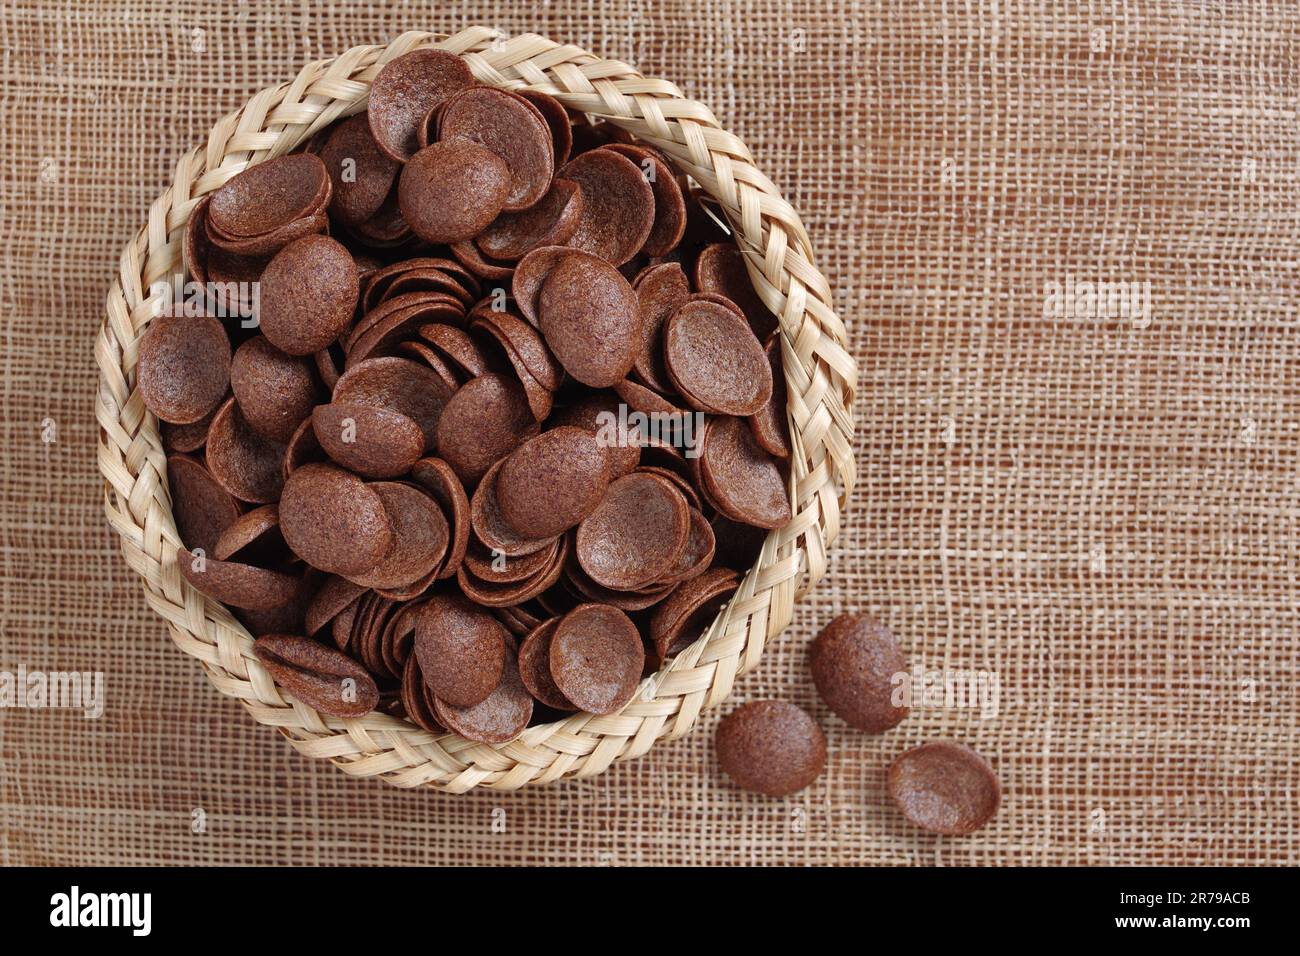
854 662
183 367
320 677
596 658
944 787
770 747
406 90
333 521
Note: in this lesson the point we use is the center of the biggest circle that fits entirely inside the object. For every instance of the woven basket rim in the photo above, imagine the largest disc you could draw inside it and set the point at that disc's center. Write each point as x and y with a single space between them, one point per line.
820 376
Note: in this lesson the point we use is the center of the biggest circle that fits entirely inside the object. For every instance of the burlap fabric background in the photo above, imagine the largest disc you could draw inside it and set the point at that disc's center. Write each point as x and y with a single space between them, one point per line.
1101 512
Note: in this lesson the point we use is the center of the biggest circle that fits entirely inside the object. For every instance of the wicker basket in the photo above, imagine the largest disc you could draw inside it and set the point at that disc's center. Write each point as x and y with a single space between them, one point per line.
819 371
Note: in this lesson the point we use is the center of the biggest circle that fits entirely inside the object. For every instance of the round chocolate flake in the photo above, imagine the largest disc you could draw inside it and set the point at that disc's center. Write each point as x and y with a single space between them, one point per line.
275 391
551 222
260 248
596 658
691 607
239 585
246 464
384 329
456 346
501 594
319 676
743 480
670 206
487 418
597 412
714 360
855 661
771 747
361 174
406 91
451 191
334 597
491 527
637 533
269 196
333 521
499 718
253 538
462 650
439 479
491 328
945 788
512 128
183 367
386 228
591 319
373 442
401 386
557 118
573 470
201 507
527 350
308 293
535 666
660 289
769 424
417 701
419 533
698 553
302 448
720 270
529 274
499 569
186 438
618 205
644 400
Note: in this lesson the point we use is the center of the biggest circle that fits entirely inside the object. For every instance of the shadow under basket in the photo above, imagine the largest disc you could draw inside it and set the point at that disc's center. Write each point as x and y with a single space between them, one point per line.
819 372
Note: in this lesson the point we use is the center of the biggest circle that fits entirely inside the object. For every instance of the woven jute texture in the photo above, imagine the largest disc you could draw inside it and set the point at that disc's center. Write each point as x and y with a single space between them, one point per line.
1099 511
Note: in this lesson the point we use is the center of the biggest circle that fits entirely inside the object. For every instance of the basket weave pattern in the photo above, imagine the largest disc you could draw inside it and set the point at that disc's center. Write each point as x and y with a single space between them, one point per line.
819 371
